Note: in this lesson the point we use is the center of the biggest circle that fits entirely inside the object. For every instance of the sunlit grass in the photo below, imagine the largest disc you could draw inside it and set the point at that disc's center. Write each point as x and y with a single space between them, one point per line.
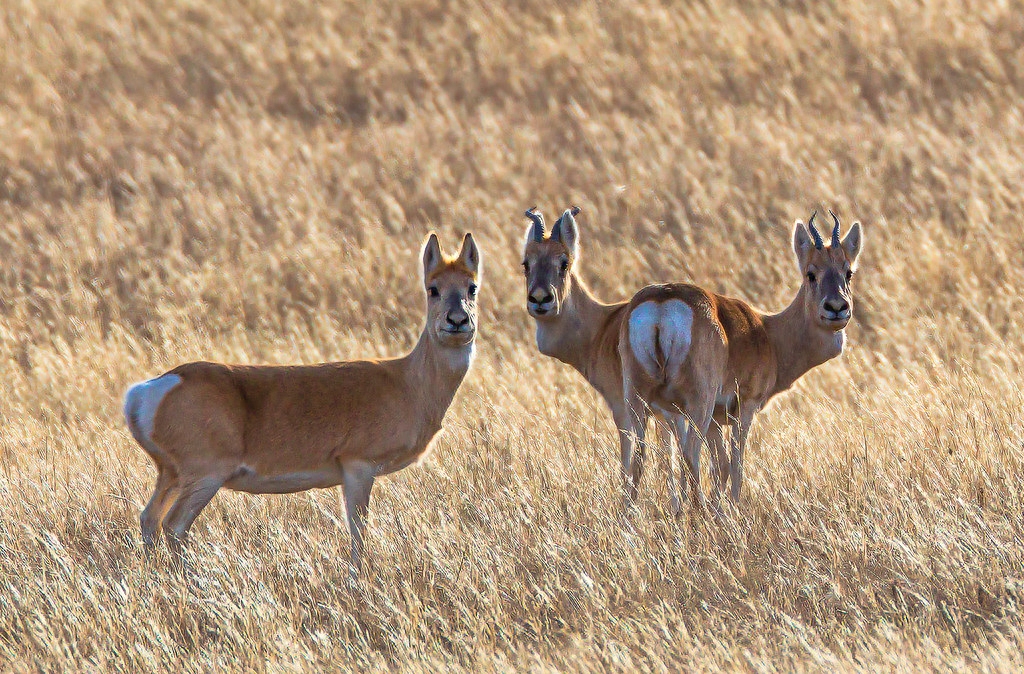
249 182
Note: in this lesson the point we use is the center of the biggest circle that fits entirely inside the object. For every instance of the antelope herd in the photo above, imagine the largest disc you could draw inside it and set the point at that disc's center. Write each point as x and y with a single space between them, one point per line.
701 364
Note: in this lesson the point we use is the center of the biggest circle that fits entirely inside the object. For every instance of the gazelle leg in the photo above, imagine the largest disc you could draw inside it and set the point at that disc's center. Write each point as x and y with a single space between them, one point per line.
633 437
665 435
637 466
700 417
194 495
358 481
720 458
163 493
739 443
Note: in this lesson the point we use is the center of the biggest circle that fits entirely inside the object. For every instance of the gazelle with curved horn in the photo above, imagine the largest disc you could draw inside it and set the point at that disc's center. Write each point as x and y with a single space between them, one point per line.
576 328
692 354
645 356
284 429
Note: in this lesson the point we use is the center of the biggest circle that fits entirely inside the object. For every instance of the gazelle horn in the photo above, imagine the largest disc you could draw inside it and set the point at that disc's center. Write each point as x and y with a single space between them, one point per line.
835 230
538 224
818 243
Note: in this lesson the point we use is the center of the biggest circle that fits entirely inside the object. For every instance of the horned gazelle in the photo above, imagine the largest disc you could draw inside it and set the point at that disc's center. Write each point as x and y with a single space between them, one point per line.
686 354
576 328
283 429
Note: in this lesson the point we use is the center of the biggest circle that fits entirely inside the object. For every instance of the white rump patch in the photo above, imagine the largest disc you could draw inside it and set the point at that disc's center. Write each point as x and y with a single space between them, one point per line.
143 399
660 334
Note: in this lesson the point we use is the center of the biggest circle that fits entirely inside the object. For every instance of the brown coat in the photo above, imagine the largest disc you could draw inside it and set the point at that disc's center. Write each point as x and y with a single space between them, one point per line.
281 429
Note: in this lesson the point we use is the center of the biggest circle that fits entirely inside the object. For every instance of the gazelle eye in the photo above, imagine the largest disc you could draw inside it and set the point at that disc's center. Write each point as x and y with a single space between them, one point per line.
433 291
472 290
564 266
811 277
849 275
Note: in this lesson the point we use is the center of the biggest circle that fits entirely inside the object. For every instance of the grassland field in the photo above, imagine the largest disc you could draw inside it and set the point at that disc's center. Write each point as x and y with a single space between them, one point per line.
251 180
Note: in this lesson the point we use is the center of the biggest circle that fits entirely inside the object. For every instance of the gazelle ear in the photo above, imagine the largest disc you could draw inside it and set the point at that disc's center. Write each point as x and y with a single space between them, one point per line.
853 242
566 231
431 255
802 243
470 254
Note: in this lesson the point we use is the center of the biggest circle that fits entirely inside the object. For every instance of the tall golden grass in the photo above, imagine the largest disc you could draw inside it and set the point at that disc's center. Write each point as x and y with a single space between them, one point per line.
250 180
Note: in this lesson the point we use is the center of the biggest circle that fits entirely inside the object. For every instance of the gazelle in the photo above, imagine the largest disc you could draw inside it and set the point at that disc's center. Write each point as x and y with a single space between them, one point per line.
694 355
576 328
284 429
598 340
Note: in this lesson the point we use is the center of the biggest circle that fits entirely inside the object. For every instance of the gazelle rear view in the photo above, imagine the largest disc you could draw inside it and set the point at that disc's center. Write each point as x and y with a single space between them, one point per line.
283 429
713 361
690 358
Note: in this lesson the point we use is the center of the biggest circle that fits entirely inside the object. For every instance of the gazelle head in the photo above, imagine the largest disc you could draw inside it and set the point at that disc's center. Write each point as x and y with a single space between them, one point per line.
451 285
548 261
827 272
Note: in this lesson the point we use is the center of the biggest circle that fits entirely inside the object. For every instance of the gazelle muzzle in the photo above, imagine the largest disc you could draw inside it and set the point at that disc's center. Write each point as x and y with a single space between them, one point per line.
541 301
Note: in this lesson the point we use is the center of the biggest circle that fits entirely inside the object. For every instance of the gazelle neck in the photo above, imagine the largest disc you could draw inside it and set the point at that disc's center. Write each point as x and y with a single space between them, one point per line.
570 336
435 371
798 343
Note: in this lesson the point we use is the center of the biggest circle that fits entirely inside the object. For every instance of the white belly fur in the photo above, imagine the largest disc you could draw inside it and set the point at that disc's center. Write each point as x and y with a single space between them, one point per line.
247 480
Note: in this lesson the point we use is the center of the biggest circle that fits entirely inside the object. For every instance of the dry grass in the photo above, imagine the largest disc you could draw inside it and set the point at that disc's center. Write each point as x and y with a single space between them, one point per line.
249 181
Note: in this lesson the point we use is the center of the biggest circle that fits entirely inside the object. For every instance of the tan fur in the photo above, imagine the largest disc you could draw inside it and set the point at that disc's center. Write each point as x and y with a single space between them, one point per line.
739 358
580 331
281 429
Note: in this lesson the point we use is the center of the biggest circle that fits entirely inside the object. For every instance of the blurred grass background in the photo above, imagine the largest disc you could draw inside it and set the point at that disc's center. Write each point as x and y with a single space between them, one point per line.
250 181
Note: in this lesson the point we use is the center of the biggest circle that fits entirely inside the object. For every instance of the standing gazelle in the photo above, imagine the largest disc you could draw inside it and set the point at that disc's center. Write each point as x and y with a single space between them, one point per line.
576 328
699 357
283 429
672 344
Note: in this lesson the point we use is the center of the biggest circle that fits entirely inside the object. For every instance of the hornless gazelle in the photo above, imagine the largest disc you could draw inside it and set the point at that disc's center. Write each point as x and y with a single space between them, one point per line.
283 429
686 354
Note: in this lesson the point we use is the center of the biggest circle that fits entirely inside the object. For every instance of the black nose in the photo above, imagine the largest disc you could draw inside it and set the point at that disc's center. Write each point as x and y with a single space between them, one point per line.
458 320
542 297
836 305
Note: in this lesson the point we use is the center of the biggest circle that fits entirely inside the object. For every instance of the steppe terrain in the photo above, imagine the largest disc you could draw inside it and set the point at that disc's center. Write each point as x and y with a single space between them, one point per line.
250 181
